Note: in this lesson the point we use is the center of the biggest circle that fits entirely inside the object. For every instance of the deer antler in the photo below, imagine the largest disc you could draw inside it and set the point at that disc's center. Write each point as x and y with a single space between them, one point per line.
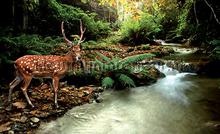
64 36
81 36
82 32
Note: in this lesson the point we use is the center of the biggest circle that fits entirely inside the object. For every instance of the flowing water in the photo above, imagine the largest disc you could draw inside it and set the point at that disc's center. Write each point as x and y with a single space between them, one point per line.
180 103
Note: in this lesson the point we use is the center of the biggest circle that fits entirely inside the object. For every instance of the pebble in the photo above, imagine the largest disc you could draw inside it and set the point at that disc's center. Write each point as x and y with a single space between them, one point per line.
11 132
35 119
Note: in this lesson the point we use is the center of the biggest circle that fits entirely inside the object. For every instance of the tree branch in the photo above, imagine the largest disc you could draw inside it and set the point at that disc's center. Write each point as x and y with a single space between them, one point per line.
212 11
194 7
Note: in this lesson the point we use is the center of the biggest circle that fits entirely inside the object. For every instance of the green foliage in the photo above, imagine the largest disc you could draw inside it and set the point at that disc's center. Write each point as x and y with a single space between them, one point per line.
126 80
107 82
14 47
183 23
215 42
67 13
141 31
91 42
117 72
216 53
136 58
143 47
104 47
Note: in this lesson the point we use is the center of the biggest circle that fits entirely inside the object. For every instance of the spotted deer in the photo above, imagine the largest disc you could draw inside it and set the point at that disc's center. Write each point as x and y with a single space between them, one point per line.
46 66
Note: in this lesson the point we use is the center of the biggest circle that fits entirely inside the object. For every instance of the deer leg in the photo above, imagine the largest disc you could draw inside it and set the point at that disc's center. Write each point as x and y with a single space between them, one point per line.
55 87
12 85
24 90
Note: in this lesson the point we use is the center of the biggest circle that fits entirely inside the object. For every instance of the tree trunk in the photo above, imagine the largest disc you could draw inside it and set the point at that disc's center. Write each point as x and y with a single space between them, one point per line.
25 16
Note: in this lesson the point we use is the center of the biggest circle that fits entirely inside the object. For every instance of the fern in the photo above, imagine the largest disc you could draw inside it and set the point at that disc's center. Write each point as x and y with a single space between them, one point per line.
116 71
107 82
105 58
136 58
99 63
126 80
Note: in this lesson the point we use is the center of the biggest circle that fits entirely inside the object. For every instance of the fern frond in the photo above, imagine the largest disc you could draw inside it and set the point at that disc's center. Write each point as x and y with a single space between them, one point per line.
99 62
107 82
126 80
105 58
136 58
101 66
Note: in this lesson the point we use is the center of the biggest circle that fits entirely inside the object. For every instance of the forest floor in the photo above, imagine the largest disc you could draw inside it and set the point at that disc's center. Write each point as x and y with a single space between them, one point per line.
23 119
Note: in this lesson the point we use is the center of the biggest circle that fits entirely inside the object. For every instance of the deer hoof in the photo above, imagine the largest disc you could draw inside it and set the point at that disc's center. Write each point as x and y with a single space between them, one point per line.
56 106
32 106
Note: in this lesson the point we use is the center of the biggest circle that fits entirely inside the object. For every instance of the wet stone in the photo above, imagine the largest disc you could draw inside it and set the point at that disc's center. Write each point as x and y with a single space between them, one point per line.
18 127
99 100
33 125
11 132
35 119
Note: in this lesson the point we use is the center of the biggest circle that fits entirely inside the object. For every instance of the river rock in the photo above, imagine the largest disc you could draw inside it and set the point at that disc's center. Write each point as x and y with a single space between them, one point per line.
11 132
35 119
147 75
99 99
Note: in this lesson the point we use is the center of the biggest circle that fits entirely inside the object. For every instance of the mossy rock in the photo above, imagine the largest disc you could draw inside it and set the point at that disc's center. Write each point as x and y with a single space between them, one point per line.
147 75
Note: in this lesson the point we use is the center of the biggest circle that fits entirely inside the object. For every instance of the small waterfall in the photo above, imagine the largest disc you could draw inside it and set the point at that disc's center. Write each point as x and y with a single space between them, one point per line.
166 70
173 86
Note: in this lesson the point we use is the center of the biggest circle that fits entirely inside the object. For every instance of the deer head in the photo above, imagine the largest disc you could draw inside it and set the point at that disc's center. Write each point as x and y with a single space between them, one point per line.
75 49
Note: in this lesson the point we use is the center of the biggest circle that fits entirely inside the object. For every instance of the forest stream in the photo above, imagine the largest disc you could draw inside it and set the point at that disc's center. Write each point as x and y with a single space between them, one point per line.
180 103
